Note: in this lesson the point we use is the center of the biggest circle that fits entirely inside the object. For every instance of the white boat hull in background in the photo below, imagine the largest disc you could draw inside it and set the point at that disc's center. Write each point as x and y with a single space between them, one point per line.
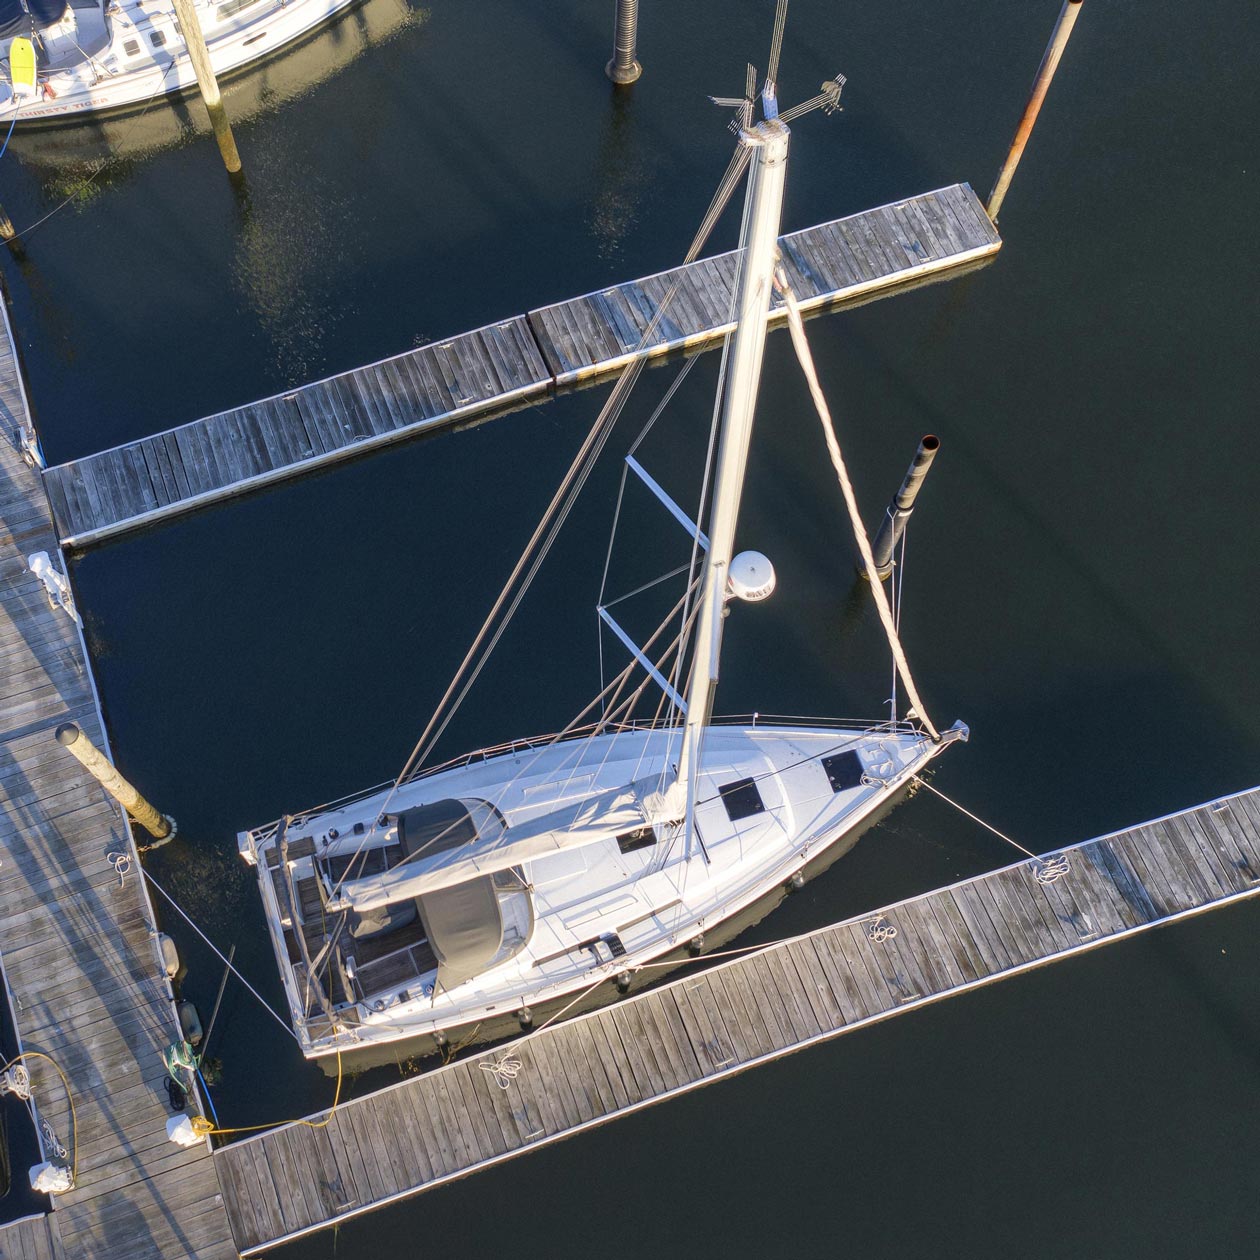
130 70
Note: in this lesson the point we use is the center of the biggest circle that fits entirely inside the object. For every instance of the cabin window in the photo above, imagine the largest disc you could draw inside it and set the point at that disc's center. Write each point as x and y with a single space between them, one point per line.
131 47
844 770
742 799
641 838
232 7
157 39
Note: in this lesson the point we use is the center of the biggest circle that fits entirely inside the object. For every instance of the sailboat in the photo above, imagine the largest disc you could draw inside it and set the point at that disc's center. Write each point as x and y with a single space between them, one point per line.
538 878
93 56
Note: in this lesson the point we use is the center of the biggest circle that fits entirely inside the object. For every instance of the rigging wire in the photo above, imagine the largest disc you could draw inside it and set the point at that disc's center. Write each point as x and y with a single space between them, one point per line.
647 586
797 328
187 919
665 401
540 542
776 43
621 490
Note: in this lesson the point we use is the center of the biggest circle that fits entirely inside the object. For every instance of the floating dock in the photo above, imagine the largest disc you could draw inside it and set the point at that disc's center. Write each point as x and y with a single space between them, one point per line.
77 941
500 367
663 1042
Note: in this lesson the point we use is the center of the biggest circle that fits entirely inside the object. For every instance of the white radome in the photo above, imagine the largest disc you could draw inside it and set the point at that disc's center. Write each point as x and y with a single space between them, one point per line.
751 577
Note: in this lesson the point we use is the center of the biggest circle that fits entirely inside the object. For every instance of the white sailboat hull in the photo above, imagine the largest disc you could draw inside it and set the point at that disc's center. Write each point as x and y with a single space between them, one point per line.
777 804
137 54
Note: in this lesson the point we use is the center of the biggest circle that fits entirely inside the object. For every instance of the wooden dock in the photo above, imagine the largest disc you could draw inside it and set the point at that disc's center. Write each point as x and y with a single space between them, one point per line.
77 943
456 1119
31 1238
498 368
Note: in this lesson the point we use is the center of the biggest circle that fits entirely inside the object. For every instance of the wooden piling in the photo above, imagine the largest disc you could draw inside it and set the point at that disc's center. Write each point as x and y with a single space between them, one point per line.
94 762
195 41
1049 63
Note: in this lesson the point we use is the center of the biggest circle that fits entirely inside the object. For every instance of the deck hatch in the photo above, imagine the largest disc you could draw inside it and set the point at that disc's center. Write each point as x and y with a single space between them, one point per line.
844 770
742 799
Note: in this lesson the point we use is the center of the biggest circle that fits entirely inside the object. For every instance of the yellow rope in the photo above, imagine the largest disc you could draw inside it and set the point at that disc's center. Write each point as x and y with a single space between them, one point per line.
205 1128
74 1120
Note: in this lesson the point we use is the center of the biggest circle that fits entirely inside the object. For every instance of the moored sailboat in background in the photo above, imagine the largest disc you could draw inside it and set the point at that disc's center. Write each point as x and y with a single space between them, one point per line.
94 56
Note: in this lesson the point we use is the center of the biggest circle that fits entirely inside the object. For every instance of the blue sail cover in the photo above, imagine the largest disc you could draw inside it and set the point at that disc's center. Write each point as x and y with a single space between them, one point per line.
16 20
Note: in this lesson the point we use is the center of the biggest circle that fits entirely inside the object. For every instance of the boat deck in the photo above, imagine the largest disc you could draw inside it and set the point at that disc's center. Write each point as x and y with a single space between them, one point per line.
500 367
643 1049
77 942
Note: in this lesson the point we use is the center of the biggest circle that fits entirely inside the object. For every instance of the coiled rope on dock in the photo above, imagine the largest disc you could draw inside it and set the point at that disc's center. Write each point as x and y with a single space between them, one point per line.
17 1081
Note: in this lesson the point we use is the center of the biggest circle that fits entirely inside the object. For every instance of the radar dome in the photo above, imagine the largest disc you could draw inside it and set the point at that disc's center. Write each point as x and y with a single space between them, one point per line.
750 577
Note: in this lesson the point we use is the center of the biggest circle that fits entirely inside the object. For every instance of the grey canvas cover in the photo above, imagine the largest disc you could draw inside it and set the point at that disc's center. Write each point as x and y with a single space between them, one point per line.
464 928
435 828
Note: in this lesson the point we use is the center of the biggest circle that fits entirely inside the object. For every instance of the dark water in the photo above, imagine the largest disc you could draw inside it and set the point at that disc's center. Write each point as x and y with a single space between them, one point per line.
1079 574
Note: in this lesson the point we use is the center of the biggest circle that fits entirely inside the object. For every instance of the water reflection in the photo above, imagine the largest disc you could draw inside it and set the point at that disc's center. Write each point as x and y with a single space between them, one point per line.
293 226
623 169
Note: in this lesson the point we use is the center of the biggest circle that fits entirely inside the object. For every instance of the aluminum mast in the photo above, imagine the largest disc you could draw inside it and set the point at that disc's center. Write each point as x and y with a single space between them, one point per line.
769 143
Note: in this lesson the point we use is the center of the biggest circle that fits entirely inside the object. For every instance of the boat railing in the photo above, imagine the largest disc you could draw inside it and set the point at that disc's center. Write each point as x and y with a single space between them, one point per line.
262 834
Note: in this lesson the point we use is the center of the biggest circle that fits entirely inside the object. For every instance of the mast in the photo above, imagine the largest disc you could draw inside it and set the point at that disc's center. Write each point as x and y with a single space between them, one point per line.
769 143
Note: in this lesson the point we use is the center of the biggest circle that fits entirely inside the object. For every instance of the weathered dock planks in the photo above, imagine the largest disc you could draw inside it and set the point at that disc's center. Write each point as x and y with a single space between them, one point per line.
76 942
31 1238
496 368
838 262
665 1041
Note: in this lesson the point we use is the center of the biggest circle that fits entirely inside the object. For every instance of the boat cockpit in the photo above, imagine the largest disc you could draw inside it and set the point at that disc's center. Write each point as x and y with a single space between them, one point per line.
379 920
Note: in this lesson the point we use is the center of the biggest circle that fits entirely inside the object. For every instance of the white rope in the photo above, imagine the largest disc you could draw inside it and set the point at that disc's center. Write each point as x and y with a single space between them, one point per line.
504 1070
880 930
948 801
121 862
16 1080
52 1142
797 327
1050 869
1046 870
